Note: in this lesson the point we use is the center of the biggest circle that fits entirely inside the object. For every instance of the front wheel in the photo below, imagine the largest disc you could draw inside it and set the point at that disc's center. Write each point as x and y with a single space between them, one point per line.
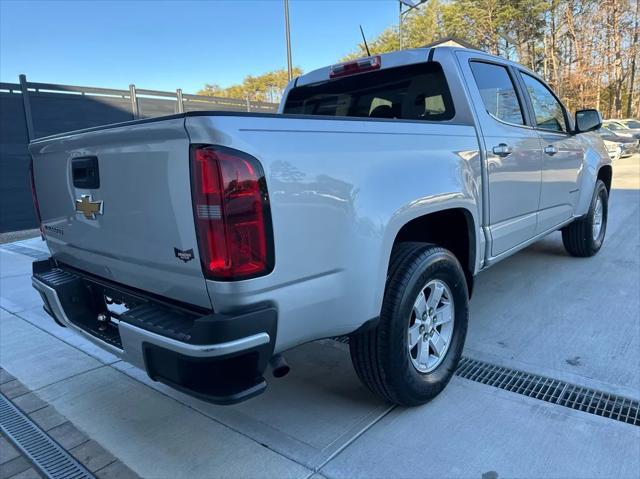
411 355
584 237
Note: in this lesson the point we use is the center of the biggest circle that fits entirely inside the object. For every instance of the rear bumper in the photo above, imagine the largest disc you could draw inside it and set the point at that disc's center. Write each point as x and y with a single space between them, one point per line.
217 358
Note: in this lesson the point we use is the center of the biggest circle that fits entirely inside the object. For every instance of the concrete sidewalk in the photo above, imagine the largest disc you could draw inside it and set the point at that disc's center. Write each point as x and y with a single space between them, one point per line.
541 311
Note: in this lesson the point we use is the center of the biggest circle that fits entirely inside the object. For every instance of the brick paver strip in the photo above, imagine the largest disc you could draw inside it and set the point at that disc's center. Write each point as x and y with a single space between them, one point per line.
7 451
29 403
30 473
5 377
47 418
92 455
13 389
15 466
116 470
67 435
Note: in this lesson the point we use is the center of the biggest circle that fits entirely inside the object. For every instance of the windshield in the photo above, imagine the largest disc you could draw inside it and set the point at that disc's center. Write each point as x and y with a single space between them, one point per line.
605 132
414 92
615 126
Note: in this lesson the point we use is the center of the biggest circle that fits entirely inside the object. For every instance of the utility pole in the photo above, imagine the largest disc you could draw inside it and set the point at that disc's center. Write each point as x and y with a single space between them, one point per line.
411 4
288 34
400 26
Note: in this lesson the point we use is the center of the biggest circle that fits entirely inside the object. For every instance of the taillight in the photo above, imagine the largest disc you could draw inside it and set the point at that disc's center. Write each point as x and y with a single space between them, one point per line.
232 213
357 66
34 197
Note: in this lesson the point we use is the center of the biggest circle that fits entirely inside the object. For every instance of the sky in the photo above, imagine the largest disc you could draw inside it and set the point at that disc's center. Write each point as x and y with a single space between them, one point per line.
177 44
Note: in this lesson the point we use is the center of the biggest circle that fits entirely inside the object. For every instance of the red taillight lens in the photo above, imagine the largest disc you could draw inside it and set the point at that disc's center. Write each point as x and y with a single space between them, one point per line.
34 197
231 211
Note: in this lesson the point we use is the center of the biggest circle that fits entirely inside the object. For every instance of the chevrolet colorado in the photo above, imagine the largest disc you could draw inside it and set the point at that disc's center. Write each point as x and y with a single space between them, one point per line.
200 246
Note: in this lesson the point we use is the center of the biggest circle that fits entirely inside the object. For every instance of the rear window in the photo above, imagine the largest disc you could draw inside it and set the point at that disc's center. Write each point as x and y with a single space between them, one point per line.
414 92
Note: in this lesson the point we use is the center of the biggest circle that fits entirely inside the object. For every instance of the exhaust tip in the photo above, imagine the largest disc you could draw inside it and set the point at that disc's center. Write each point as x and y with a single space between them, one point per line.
279 366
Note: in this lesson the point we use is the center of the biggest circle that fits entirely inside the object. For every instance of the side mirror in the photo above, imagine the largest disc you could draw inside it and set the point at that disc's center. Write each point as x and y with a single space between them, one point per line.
588 120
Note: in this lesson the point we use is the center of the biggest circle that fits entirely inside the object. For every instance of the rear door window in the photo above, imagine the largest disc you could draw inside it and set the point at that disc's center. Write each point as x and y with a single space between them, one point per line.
498 92
414 92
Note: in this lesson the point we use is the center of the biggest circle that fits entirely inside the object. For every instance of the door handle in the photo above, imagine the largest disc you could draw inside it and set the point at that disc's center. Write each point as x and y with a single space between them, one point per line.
550 150
502 150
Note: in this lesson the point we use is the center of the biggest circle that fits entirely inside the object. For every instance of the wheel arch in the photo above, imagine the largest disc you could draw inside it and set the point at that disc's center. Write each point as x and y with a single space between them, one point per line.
451 228
596 166
605 173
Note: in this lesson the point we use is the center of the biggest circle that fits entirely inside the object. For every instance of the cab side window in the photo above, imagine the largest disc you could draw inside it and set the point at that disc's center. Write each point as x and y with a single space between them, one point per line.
549 112
497 92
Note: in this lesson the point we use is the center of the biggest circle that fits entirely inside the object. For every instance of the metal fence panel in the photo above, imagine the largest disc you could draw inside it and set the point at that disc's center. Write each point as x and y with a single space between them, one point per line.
16 210
150 107
54 113
31 110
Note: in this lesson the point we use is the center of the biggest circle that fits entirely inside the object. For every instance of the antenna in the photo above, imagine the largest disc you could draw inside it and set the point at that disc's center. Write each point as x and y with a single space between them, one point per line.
365 41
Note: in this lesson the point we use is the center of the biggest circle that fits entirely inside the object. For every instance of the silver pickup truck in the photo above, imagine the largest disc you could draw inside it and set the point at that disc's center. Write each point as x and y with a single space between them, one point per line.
201 246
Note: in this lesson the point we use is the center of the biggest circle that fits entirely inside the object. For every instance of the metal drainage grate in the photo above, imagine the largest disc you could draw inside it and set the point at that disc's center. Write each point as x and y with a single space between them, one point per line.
51 460
546 389
553 391
25 250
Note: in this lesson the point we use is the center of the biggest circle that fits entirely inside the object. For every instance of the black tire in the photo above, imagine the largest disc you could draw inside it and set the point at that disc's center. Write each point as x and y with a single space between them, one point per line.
577 236
380 355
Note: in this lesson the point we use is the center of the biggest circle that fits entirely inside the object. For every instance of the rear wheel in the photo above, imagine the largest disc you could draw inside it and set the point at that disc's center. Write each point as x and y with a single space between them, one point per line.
584 237
414 350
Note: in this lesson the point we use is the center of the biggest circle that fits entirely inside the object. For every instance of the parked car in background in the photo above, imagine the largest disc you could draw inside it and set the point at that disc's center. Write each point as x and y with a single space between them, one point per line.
631 123
619 128
614 149
618 146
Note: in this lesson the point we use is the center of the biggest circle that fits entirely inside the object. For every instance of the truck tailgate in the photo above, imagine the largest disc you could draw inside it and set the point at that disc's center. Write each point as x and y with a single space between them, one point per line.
136 226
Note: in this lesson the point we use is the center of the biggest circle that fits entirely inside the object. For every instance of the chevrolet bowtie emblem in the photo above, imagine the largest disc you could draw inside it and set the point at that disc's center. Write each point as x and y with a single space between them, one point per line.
88 208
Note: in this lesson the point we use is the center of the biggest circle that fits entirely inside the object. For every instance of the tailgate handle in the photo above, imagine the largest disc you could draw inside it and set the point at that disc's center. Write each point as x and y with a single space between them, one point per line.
85 172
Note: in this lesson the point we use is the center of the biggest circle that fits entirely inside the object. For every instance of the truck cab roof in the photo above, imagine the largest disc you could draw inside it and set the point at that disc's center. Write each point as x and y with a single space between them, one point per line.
396 59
